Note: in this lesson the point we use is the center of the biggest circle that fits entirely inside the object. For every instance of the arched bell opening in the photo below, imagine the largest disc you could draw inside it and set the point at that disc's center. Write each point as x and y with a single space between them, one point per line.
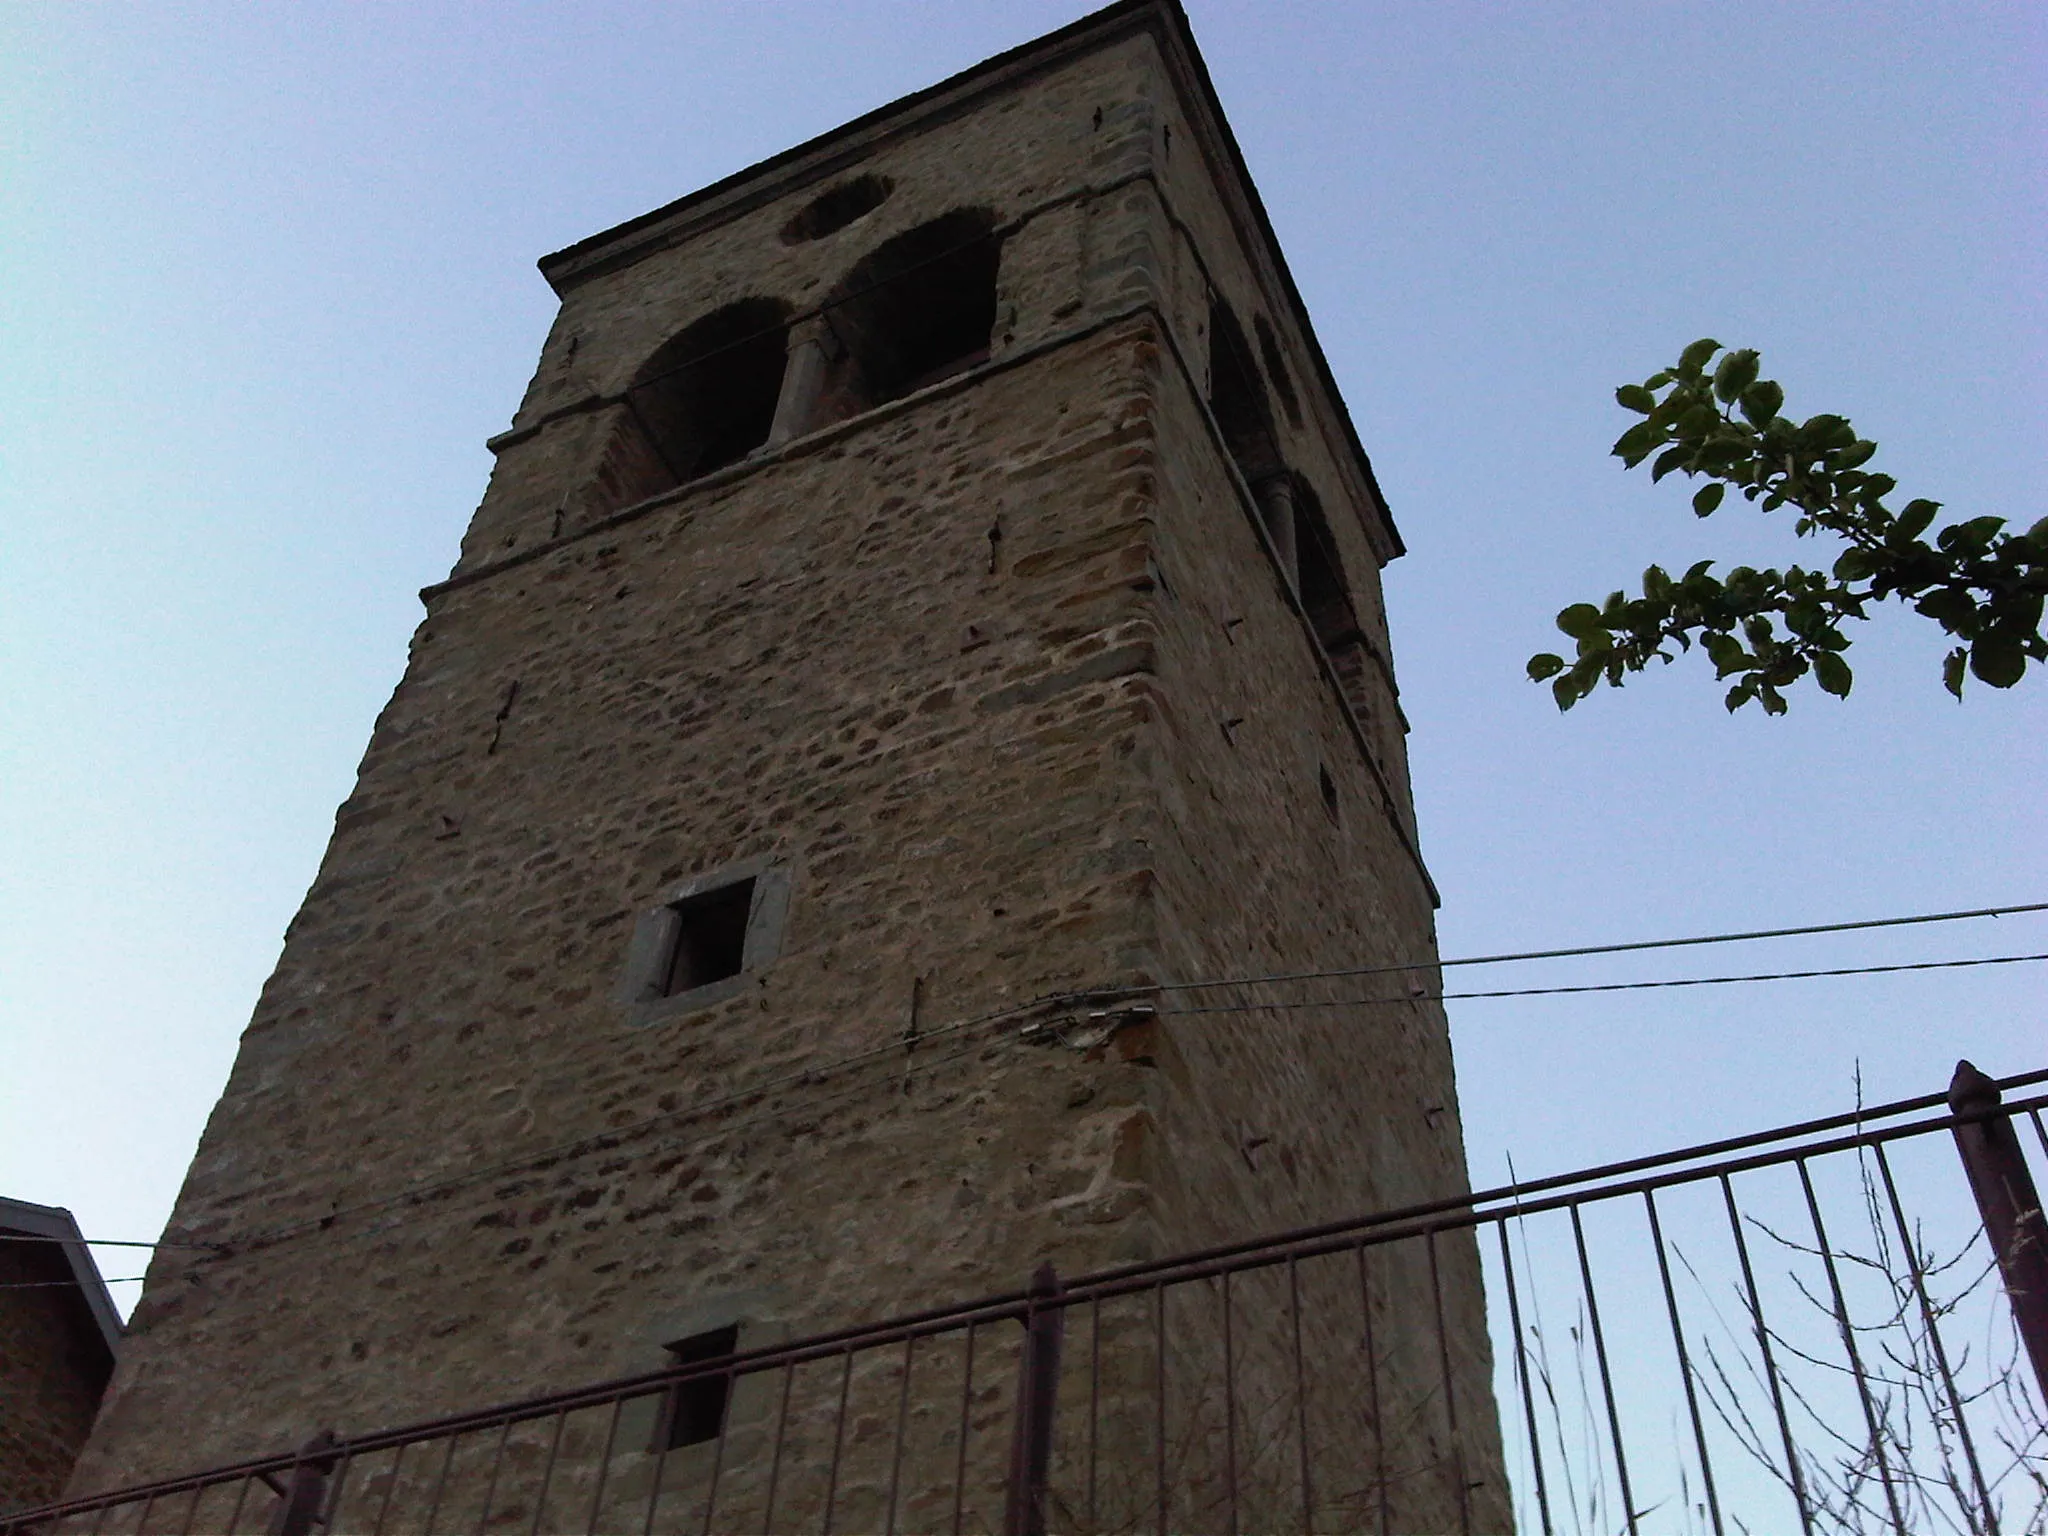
705 399
1326 595
918 308
1237 397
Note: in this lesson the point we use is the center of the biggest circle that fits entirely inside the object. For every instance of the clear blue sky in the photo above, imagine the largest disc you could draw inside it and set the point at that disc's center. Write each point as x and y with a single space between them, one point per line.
267 285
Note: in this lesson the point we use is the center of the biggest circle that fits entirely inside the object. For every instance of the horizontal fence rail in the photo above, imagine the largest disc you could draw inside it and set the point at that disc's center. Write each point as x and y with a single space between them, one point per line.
1802 1330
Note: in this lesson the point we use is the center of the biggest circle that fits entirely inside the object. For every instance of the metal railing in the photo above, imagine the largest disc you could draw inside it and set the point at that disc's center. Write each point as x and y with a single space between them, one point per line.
1803 1329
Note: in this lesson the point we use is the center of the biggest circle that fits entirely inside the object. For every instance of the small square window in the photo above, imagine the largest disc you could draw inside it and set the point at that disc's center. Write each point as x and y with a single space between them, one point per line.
710 941
695 1409
703 941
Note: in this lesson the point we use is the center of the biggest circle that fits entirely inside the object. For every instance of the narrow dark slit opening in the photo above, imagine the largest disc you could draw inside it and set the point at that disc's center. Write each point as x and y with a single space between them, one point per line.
711 938
1237 397
1326 597
695 1410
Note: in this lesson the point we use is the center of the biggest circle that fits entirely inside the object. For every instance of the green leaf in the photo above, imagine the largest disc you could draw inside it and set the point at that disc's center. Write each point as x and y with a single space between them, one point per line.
1667 461
1832 673
1635 398
1694 357
1634 445
1857 563
1914 520
1706 498
1543 665
1998 660
1858 452
1726 652
1580 620
1736 373
1739 695
1952 671
1822 431
1974 537
1761 402
1565 692
1948 606
1698 420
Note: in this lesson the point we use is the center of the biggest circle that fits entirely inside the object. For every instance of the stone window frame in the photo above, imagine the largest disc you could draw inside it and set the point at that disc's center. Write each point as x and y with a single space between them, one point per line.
678 1423
651 950
759 1318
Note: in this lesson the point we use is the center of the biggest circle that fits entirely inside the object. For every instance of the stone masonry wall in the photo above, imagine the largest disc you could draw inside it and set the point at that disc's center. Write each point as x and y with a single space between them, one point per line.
1290 1116
1001 678
1034 155
955 807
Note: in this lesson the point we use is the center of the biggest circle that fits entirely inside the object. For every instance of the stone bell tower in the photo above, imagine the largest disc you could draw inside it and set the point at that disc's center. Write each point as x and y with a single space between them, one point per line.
927 600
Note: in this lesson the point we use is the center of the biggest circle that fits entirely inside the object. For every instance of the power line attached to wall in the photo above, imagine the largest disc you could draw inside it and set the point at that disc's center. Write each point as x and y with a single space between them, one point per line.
39 1285
1104 999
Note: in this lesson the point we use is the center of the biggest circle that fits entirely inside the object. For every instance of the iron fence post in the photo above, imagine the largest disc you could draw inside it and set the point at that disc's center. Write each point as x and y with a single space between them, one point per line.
1038 1383
299 1510
2011 1208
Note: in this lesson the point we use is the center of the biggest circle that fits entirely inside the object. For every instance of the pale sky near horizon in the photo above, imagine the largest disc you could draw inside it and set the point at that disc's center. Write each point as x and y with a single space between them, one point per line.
267 285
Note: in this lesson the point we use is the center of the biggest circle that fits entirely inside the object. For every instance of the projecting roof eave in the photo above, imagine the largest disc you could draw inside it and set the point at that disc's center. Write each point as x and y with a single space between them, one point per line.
813 159
829 152
51 1221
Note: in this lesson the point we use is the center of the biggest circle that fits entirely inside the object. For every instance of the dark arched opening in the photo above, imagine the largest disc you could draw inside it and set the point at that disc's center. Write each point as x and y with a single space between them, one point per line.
1237 397
836 207
704 400
1326 596
916 309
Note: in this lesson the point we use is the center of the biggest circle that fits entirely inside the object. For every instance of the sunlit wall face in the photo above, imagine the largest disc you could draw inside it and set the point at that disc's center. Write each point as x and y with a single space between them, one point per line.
269 286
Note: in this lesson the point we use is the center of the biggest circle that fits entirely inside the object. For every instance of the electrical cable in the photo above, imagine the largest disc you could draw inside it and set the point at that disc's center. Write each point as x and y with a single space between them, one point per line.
1609 986
1603 949
97 1242
36 1285
606 1139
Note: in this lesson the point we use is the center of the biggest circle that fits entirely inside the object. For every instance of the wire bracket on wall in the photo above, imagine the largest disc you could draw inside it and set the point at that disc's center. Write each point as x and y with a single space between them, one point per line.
1087 1029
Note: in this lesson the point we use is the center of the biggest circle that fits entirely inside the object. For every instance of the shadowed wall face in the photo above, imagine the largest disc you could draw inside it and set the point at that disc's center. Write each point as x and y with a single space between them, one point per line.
53 1366
870 628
